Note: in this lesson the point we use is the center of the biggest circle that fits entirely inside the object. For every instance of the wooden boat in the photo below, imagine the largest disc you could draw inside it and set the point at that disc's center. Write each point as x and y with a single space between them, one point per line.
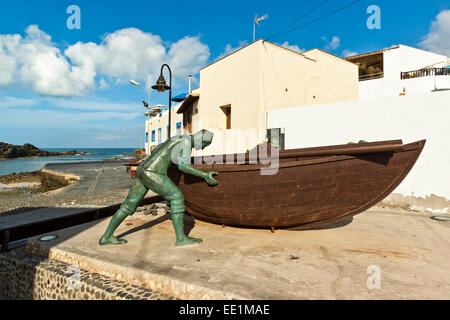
313 187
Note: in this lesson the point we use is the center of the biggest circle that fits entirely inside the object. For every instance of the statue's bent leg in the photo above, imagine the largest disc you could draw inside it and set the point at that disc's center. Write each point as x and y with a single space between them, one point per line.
166 188
135 195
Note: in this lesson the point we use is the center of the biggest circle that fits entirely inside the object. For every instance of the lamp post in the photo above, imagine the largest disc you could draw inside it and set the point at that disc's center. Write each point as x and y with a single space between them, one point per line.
135 83
162 86
146 104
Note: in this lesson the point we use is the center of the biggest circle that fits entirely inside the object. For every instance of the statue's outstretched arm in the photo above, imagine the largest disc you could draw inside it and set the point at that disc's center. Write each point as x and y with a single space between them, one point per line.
184 165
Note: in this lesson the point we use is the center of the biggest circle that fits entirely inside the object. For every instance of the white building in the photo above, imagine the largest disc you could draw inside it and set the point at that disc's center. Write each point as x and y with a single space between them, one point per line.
404 93
401 70
156 126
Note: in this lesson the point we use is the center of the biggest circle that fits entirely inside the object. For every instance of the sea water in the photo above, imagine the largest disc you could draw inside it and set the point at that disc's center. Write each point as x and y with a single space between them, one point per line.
18 165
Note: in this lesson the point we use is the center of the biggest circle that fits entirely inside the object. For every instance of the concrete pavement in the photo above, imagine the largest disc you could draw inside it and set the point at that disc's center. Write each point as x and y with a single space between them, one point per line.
407 255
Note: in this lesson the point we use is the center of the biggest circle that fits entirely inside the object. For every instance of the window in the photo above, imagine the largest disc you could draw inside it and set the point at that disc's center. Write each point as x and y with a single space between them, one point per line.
159 136
153 135
146 137
227 111
187 120
179 129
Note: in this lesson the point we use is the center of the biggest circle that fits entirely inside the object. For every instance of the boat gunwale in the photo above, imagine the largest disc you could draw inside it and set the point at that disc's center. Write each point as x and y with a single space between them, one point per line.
296 161
311 151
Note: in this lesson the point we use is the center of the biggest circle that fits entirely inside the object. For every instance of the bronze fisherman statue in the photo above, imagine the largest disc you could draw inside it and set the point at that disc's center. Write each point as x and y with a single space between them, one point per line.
152 175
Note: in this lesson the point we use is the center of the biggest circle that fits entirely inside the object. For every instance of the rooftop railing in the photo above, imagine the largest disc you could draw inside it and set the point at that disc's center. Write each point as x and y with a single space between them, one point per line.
371 76
430 72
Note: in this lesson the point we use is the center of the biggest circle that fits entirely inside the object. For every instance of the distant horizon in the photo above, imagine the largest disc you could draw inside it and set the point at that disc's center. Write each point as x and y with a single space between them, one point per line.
75 148
71 148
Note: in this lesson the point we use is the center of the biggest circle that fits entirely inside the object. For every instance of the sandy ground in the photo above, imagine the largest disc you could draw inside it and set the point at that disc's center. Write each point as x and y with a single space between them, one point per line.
19 185
13 178
22 183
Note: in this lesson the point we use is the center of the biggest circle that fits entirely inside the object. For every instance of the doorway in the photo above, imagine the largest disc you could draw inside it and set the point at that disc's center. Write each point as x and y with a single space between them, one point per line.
227 111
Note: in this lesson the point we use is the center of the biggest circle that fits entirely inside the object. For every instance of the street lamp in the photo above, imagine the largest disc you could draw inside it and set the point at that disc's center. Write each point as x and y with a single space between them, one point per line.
146 104
135 83
162 86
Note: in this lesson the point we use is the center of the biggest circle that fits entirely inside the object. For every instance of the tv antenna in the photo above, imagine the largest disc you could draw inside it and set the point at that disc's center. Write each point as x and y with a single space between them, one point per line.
256 22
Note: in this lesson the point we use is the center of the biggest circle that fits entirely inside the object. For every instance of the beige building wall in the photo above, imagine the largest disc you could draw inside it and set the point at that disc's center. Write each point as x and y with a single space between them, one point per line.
335 79
260 77
234 81
265 76
286 80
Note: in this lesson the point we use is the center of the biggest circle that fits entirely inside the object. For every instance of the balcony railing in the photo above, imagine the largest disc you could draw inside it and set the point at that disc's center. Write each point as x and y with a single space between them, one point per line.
425 73
371 76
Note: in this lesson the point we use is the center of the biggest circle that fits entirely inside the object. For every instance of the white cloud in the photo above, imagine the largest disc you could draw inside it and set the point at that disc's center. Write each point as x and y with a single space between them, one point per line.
91 104
333 44
132 54
8 64
61 119
187 56
292 47
34 62
103 84
438 38
348 53
63 113
12 102
230 49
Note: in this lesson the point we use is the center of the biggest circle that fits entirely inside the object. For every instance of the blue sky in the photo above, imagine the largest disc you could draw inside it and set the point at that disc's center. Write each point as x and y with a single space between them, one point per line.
69 88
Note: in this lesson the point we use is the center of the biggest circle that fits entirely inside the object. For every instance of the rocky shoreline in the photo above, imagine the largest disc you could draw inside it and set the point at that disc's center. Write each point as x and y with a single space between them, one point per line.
9 151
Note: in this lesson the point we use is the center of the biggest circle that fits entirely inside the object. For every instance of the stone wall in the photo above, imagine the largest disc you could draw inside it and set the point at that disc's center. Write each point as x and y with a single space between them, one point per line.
24 276
51 180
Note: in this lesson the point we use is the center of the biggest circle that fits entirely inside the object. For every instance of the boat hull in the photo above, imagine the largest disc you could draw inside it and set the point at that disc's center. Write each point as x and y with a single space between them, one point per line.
310 189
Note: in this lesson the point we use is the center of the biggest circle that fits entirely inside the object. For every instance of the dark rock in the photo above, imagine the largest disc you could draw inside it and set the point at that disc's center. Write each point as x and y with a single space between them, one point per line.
28 150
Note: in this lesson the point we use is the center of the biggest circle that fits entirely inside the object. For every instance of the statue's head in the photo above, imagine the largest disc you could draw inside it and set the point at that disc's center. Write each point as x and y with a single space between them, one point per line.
202 139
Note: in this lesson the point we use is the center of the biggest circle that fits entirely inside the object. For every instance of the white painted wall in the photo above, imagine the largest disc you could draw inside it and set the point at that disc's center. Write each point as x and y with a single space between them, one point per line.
404 59
378 88
410 118
407 58
161 121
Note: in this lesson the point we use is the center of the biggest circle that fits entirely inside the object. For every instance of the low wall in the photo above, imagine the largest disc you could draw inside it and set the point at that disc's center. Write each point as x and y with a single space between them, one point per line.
24 276
51 180
410 118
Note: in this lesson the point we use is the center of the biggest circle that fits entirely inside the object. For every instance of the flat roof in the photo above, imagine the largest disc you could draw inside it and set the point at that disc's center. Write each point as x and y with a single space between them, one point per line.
372 52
